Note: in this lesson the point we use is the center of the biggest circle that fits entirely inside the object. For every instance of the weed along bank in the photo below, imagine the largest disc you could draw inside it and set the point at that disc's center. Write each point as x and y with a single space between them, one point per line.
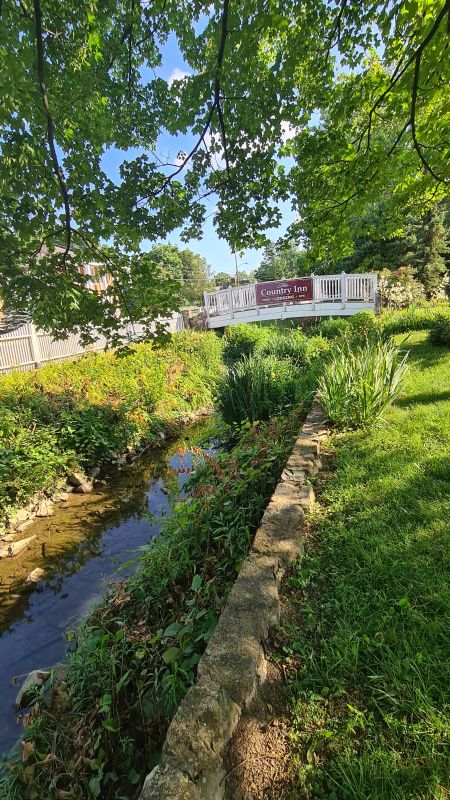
195 664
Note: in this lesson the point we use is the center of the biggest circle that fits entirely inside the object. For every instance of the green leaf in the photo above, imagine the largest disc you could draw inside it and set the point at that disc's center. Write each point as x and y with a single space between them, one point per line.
171 654
197 581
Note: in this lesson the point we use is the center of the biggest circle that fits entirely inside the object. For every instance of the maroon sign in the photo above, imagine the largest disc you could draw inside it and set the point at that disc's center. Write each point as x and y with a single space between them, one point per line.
284 291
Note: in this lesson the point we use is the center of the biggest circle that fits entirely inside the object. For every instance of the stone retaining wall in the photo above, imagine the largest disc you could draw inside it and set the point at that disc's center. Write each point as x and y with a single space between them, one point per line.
234 664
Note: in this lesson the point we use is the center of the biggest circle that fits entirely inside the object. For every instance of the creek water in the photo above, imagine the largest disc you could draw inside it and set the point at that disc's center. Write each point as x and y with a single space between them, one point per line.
90 540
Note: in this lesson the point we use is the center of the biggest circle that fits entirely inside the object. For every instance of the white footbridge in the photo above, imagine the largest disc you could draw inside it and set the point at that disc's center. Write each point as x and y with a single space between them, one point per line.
313 296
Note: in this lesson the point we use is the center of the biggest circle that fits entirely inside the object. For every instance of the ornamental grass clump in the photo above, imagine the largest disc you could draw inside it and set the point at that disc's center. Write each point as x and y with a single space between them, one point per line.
255 388
359 383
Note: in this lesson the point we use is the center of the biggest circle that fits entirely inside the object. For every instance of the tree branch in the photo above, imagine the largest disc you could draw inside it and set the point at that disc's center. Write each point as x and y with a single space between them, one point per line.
416 142
220 55
40 65
215 106
400 71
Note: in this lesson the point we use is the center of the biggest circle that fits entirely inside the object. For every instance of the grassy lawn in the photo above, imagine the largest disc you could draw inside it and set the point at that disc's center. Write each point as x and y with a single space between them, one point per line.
369 645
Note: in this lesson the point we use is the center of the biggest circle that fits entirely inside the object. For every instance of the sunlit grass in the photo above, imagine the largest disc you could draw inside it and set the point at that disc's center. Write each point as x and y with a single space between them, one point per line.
370 698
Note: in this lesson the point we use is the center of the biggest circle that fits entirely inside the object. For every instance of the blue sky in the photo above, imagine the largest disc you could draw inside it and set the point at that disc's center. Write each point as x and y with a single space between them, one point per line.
215 250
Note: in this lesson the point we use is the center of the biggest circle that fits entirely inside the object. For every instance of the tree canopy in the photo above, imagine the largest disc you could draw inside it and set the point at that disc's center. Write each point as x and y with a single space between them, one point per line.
281 261
331 105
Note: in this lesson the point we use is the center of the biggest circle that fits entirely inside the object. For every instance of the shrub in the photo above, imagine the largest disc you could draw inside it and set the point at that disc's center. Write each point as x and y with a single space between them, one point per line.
440 330
359 383
414 318
316 347
291 344
400 288
244 340
85 412
330 328
358 327
255 388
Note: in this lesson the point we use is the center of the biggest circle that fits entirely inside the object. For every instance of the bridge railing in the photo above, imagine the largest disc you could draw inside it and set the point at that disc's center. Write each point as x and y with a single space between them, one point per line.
343 288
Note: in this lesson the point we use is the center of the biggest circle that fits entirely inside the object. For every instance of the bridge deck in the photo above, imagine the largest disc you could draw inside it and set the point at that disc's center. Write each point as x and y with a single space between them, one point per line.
325 295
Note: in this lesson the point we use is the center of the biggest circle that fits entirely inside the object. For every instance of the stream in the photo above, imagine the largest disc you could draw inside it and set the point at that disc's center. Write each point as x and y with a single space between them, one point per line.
90 540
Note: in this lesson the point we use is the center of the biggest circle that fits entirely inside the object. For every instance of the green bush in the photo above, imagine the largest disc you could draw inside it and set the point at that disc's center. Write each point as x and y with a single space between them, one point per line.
330 328
255 388
414 318
244 340
359 383
440 330
291 344
357 327
85 412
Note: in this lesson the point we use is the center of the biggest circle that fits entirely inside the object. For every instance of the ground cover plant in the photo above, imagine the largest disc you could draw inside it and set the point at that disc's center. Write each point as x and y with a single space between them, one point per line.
367 645
136 655
86 412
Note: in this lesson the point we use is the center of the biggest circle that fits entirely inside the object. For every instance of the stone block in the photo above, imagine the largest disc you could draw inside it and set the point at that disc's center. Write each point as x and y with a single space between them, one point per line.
309 447
200 730
166 783
14 548
294 475
284 509
234 658
306 496
45 509
283 542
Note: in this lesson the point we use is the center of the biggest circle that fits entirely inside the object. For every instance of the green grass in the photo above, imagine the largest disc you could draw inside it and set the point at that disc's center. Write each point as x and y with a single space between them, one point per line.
369 647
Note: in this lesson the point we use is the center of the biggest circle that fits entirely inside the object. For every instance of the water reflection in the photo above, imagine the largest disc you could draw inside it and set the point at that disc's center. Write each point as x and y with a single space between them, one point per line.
90 539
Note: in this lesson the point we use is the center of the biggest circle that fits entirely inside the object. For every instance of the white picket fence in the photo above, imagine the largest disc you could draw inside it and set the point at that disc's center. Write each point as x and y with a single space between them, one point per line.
28 347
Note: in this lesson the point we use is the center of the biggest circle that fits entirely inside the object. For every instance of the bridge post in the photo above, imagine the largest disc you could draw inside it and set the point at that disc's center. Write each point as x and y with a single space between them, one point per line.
230 300
376 299
206 303
343 289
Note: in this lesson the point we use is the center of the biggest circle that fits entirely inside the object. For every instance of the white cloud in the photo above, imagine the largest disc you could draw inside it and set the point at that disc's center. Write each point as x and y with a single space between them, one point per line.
177 74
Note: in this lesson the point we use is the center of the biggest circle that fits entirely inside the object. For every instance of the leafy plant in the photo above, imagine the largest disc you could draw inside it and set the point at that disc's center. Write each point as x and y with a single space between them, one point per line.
86 412
359 383
255 388
134 658
440 330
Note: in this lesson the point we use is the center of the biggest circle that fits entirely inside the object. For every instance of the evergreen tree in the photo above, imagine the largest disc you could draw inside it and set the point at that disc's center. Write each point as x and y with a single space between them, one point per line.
432 246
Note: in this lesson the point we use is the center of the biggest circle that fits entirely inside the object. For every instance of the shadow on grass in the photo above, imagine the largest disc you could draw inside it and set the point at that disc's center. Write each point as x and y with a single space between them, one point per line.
379 623
416 399
425 355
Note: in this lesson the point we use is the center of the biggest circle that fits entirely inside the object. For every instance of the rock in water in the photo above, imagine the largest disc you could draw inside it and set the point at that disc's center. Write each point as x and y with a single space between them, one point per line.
15 548
34 680
45 509
83 486
35 575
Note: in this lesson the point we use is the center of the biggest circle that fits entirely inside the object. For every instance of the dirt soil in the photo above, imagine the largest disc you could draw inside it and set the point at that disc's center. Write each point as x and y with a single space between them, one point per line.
259 759
258 755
